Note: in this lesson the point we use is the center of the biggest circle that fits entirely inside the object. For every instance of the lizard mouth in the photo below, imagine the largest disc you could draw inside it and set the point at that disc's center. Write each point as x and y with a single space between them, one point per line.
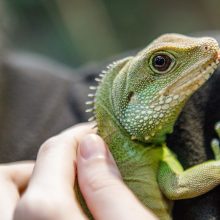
187 83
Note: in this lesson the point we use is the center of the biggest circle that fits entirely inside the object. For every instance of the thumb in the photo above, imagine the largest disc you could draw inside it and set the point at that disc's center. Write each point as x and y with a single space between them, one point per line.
100 182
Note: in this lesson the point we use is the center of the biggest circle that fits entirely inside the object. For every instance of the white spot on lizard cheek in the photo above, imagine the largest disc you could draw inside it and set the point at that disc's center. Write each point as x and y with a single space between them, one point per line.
147 138
165 107
161 115
161 102
173 103
168 100
155 115
157 108
175 97
149 111
157 122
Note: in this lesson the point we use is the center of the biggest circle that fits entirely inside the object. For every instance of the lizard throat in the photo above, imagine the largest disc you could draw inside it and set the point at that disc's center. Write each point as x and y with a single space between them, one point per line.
152 121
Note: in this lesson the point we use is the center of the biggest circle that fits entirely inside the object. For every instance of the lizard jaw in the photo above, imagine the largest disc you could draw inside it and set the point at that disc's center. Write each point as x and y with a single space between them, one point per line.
188 83
180 91
194 80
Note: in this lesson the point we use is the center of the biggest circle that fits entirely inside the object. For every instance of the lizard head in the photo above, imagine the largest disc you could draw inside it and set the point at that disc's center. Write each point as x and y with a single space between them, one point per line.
150 90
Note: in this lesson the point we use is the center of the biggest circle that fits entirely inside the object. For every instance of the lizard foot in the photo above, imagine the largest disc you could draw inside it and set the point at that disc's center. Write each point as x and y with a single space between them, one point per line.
215 143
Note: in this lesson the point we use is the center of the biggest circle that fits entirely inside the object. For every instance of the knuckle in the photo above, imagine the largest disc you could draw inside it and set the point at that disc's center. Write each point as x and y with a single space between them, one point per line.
49 144
36 207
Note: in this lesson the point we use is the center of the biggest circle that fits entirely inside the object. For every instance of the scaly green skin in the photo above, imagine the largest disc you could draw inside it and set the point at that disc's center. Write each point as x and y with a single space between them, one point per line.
136 106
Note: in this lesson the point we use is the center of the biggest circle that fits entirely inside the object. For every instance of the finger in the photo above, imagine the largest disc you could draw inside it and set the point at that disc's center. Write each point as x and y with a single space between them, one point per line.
100 182
50 191
13 178
18 173
55 163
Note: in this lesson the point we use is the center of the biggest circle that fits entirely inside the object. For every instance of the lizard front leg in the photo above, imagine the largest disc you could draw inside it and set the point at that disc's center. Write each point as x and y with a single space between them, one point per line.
177 183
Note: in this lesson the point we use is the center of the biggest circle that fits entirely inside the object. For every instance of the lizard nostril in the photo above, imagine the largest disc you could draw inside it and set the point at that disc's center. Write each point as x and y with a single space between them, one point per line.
206 47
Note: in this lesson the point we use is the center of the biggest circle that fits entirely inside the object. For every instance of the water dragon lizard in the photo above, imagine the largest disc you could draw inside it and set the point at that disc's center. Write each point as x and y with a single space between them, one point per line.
136 104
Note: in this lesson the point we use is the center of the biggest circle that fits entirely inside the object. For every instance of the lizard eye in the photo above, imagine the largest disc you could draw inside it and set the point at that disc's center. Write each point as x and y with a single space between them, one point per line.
162 63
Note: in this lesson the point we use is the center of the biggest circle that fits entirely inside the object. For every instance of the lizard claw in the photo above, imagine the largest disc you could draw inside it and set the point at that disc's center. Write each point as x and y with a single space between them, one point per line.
216 148
217 128
215 143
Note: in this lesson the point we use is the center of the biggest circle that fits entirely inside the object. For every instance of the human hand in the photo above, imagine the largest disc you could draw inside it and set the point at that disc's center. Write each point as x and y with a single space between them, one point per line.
13 180
103 189
50 194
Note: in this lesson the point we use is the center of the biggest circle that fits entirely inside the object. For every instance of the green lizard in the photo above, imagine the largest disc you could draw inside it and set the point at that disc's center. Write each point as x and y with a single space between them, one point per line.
137 103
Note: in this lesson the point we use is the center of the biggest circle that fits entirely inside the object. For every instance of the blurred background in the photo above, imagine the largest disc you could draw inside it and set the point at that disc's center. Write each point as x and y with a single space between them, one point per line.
77 32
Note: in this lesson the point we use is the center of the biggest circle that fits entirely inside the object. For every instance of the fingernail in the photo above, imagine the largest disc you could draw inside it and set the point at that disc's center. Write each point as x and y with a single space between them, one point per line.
92 146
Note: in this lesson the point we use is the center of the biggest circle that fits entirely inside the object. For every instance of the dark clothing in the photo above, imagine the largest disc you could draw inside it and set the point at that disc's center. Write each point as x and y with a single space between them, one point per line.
191 140
39 98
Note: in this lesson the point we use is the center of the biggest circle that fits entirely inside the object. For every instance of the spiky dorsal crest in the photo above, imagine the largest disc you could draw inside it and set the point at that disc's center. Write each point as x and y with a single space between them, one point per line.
92 95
